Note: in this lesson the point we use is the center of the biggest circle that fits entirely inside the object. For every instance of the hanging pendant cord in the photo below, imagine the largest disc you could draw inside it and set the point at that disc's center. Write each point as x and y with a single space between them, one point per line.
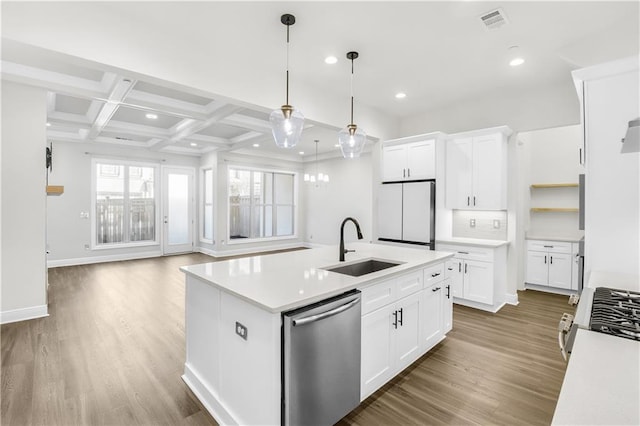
287 64
351 91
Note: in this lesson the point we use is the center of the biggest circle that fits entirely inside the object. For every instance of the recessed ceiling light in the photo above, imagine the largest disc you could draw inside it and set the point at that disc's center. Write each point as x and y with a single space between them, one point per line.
193 144
256 145
48 124
330 60
301 152
337 145
151 116
401 95
515 56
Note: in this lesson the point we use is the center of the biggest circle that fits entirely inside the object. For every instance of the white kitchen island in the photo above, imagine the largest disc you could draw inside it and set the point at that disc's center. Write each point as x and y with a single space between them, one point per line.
234 312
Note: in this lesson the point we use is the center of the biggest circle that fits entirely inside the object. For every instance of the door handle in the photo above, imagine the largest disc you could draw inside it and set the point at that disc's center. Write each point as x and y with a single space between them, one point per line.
448 291
404 173
465 268
435 275
166 219
545 260
395 319
435 289
459 266
474 200
468 200
551 257
408 172
400 320
323 315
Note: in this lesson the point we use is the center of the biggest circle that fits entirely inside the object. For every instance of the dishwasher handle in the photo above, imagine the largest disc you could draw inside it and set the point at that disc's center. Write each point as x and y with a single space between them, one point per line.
323 315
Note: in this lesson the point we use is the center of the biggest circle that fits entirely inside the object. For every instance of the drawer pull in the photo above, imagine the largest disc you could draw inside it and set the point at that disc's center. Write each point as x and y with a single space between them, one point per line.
451 269
435 289
435 275
463 252
548 246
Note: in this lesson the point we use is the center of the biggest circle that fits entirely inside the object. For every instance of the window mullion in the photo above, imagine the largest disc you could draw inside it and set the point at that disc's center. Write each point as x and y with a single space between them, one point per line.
126 207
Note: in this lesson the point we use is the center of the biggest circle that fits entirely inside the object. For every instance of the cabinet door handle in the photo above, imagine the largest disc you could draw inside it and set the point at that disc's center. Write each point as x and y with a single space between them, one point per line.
459 266
404 173
551 257
435 289
400 320
395 319
435 275
474 200
408 172
580 156
467 200
465 268
448 291
545 260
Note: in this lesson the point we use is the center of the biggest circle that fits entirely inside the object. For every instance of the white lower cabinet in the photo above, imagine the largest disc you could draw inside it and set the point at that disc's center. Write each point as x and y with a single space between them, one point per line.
401 320
477 275
551 264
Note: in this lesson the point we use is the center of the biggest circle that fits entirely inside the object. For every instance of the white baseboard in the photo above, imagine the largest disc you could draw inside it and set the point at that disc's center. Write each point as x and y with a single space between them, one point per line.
207 397
23 314
314 245
548 289
101 259
476 305
512 299
206 251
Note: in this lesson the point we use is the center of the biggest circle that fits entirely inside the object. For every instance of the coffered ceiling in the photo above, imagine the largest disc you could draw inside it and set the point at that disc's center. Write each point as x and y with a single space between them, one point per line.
438 53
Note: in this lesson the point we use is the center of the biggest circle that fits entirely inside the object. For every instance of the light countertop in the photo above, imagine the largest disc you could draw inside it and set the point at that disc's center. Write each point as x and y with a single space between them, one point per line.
472 242
571 238
602 382
284 281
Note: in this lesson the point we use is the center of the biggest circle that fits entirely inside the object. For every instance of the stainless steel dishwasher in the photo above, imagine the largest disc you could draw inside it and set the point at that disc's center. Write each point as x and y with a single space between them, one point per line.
321 361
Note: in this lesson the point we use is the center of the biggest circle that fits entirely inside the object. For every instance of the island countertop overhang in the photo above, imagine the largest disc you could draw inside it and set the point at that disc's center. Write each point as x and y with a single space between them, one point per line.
284 281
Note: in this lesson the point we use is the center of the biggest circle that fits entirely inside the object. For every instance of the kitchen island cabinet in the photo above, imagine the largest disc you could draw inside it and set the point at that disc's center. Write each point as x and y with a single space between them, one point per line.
234 310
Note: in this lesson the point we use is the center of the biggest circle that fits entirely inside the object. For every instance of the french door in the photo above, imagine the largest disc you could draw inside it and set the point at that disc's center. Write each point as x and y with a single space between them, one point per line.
178 211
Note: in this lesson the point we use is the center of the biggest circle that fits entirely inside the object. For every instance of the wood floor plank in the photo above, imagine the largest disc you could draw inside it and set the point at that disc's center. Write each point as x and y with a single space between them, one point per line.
112 352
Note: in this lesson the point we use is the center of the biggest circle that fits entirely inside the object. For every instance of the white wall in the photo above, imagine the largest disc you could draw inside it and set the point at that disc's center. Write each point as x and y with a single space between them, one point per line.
67 233
23 261
348 193
529 110
612 211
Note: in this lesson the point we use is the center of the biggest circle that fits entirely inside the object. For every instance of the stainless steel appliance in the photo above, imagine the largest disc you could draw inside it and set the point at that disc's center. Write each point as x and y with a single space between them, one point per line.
321 361
580 265
406 212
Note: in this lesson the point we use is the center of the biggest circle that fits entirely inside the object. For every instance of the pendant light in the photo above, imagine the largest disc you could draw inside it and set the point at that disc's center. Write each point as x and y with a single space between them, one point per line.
352 138
287 122
318 177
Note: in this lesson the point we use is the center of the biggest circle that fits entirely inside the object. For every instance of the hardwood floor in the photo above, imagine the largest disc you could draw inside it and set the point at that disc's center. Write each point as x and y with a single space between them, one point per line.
112 353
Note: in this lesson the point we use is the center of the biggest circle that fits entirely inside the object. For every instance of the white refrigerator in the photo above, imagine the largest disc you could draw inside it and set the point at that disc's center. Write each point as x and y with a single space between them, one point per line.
406 212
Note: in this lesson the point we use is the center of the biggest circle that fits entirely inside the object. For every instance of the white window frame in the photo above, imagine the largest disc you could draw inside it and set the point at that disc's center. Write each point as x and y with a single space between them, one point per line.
201 207
157 199
295 204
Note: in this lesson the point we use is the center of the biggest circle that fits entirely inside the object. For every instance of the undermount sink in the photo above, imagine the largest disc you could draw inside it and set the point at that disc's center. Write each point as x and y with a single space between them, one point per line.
364 267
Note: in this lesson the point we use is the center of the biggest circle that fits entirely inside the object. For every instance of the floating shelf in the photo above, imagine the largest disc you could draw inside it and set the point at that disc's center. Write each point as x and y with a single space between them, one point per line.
554 185
55 189
555 209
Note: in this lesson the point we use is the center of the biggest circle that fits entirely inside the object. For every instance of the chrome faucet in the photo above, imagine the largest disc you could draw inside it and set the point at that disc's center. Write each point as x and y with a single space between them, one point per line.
342 250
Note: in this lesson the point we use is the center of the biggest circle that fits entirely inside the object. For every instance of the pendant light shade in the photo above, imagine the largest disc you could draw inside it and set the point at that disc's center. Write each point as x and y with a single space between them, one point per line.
287 122
352 138
319 177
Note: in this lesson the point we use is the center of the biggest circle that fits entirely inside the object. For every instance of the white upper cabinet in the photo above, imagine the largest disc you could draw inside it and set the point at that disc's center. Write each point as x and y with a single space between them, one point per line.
403 160
476 170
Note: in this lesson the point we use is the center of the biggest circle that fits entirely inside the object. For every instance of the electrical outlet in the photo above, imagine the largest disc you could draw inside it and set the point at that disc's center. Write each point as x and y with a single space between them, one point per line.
87 247
472 223
241 330
496 224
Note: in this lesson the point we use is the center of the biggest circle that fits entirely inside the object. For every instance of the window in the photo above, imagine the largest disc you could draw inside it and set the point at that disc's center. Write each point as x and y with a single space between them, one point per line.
207 205
125 203
261 204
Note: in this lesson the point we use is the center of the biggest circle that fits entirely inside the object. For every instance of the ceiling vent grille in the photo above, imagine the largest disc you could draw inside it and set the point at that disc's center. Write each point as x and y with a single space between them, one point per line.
494 19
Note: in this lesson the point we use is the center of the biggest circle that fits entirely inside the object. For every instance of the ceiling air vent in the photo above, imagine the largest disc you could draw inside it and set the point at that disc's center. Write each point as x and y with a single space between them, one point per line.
494 19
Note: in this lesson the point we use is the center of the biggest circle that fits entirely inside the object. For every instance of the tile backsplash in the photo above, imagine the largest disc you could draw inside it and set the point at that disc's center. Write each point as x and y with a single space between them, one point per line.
489 225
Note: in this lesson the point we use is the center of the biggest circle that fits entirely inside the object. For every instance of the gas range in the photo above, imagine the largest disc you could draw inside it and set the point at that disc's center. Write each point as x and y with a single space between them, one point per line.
616 312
